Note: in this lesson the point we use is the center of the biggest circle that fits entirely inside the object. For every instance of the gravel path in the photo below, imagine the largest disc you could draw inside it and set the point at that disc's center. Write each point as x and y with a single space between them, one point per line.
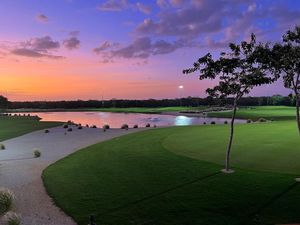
21 173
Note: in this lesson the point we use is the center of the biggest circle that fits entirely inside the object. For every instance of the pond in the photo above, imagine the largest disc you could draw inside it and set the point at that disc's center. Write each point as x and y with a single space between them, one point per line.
115 120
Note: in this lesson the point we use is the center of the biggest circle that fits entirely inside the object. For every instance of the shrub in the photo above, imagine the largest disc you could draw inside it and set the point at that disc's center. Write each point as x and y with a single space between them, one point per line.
79 127
124 126
2 147
70 129
7 198
106 127
212 122
154 126
225 122
135 126
87 125
65 126
249 121
12 218
148 125
262 120
47 131
204 123
94 126
37 153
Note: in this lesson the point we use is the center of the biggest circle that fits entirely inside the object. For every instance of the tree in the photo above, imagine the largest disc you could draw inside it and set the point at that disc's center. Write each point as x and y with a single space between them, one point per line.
287 62
238 72
3 102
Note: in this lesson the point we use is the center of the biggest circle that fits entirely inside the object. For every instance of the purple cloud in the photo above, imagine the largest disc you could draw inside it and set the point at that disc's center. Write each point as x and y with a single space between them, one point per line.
71 43
140 48
113 5
143 8
42 18
120 5
37 47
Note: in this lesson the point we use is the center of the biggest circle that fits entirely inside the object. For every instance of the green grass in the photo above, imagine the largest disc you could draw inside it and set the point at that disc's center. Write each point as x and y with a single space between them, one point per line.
16 126
171 176
267 112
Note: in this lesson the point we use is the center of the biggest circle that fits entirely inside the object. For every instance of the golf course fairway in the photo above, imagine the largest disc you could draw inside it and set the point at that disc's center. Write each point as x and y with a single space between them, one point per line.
172 176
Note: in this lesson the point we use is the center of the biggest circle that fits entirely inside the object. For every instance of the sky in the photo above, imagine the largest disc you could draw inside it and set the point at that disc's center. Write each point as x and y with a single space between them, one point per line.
93 49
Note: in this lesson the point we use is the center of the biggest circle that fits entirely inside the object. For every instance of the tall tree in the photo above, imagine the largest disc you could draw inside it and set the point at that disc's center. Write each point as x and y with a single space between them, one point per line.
3 102
238 71
287 62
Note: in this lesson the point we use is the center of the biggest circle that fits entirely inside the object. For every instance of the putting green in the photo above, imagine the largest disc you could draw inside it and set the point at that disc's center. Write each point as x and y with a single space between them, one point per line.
171 176
268 146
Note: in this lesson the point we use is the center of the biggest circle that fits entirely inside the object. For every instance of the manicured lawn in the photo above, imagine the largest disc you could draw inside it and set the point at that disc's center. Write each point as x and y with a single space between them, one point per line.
16 126
171 176
267 112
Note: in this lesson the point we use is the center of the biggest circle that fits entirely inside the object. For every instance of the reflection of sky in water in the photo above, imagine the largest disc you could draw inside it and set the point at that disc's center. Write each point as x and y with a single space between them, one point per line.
183 121
116 120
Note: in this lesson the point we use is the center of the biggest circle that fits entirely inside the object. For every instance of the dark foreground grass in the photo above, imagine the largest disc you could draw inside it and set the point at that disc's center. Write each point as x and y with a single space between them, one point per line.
15 126
267 112
137 179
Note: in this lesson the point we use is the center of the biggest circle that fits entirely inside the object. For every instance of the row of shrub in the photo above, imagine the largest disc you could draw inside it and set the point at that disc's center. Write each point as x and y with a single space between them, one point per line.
105 127
260 120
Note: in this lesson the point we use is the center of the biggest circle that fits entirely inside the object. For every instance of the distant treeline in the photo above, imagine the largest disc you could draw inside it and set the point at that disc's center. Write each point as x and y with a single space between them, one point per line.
189 101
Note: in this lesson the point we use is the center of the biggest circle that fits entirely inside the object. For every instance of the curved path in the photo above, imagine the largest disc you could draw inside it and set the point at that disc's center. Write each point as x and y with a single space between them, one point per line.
21 173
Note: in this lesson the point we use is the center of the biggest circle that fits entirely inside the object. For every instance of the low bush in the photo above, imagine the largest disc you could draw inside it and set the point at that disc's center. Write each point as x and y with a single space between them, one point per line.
249 121
65 126
94 126
124 126
204 123
148 125
70 129
47 131
87 125
79 127
12 218
106 127
135 126
212 122
225 122
262 120
37 153
7 198
2 146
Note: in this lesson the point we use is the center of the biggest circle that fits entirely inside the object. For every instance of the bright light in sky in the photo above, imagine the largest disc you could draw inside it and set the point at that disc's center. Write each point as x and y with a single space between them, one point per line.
180 86
63 49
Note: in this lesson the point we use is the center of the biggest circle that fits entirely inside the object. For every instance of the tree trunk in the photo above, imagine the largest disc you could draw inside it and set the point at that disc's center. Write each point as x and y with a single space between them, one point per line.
227 163
297 111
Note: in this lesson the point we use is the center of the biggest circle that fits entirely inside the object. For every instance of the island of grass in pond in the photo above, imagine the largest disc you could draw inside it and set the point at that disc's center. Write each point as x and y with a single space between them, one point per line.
171 176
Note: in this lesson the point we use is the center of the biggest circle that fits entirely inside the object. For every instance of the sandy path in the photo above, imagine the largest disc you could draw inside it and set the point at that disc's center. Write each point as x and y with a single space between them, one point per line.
21 173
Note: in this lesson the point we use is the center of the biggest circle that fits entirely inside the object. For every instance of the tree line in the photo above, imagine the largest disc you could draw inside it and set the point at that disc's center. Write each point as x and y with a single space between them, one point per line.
274 100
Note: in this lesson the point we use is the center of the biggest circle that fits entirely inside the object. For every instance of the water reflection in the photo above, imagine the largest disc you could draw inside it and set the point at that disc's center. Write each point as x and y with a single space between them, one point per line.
183 121
116 120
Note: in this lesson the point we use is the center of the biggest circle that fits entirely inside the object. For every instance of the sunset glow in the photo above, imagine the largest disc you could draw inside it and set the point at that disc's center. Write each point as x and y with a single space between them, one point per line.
75 49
